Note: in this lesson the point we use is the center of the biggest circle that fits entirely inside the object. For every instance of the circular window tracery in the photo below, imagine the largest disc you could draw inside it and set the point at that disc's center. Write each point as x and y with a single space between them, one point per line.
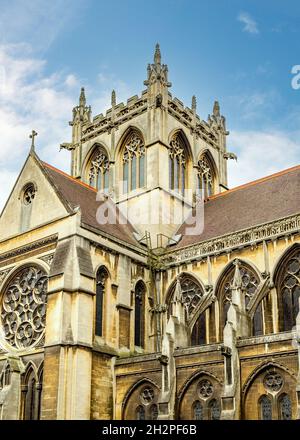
23 311
147 395
29 194
205 388
273 381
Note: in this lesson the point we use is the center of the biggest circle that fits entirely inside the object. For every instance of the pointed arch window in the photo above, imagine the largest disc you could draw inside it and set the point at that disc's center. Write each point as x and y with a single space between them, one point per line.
133 162
140 413
199 331
139 305
101 281
265 408
198 410
285 407
205 176
177 164
154 412
214 410
98 169
289 291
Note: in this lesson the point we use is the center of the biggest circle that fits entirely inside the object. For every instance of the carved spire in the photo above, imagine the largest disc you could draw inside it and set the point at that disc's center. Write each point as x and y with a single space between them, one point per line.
237 279
82 100
194 103
157 55
113 98
216 109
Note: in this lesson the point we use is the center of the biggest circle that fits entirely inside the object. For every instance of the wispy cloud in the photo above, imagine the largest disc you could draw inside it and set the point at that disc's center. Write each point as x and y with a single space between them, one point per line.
261 153
31 99
250 25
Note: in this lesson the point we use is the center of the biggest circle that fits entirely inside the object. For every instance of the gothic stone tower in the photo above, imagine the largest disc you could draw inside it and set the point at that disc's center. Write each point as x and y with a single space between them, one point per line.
151 155
141 319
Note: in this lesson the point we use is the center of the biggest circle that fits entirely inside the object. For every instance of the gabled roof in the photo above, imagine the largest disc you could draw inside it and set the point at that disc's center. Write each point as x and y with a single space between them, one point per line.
265 200
76 193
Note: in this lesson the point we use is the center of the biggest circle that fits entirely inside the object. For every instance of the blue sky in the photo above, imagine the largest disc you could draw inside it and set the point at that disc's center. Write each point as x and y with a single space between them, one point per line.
240 52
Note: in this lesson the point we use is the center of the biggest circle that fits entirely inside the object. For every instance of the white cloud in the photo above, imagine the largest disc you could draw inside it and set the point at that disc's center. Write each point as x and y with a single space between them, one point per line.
249 23
261 153
30 99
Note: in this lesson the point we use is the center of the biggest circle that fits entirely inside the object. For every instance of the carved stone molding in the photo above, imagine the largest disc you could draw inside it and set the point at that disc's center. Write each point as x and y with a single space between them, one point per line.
29 247
246 237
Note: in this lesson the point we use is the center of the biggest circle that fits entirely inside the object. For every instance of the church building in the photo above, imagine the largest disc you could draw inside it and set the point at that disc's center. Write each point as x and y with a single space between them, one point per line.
140 286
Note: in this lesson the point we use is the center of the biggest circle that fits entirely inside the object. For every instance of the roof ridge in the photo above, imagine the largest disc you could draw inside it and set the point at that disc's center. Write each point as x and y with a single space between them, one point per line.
255 182
79 182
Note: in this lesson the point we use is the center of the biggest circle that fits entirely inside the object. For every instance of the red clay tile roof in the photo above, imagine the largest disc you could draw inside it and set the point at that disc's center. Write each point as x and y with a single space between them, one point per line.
77 193
254 203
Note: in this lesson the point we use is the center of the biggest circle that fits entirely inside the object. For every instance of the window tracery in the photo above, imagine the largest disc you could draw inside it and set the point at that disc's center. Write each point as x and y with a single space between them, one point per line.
29 194
285 406
198 410
134 162
265 408
205 389
98 173
23 311
273 381
289 290
177 164
205 176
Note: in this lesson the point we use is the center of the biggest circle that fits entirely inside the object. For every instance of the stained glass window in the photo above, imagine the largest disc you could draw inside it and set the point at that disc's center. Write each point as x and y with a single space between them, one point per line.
289 288
177 164
98 169
139 315
133 162
265 408
101 279
285 407
198 410
205 177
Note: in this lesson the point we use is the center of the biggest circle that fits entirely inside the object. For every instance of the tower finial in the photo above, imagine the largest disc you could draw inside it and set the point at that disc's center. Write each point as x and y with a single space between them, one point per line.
194 103
32 136
113 98
157 55
216 109
82 100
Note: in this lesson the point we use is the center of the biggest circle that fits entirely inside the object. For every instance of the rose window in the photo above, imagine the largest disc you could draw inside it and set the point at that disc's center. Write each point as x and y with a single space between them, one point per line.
29 194
23 311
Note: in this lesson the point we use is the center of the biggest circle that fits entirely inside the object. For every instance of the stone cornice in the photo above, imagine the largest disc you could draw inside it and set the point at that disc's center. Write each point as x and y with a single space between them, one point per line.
29 247
229 242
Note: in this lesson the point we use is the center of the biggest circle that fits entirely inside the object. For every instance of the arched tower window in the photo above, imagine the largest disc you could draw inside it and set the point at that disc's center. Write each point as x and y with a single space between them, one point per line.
205 176
265 408
98 169
139 321
177 164
133 162
101 280
288 289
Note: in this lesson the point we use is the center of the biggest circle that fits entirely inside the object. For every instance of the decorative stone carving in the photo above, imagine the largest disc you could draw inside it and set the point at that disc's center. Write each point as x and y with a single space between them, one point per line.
28 248
205 389
271 230
23 310
47 259
273 381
